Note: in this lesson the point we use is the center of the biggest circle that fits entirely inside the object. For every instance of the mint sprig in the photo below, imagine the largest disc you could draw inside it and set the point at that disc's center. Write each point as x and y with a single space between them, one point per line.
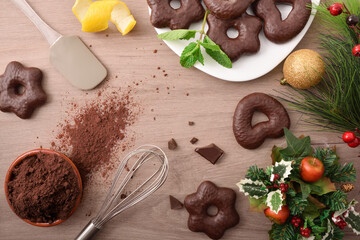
192 52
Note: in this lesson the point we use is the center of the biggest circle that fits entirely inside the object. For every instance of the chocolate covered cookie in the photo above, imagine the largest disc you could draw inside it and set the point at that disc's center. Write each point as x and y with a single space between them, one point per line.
163 15
276 29
207 195
251 137
227 9
21 90
246 42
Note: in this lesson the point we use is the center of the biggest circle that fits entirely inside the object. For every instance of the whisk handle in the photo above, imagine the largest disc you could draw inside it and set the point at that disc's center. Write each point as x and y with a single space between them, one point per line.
88 232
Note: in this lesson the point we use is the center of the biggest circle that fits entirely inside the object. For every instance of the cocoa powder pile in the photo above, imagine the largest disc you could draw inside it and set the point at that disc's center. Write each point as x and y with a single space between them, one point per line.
91 136
43 188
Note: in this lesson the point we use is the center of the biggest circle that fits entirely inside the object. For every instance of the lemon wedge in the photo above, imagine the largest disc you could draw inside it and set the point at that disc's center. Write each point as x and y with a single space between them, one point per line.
94 16
122 18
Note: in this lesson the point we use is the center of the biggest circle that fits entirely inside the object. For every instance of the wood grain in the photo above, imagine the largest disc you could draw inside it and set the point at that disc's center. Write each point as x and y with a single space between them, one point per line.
210 104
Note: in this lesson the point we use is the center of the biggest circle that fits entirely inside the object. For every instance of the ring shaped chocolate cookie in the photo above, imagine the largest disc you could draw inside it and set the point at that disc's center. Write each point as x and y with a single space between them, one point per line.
246 42
163 15
17 76
227 9
251 137
276 29
207 195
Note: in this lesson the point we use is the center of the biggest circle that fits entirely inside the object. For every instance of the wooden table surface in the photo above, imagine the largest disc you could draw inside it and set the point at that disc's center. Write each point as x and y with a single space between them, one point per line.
210 104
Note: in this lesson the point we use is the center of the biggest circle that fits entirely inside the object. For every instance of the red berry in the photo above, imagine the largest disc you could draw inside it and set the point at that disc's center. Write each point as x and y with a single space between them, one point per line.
301 229
276 186
336 9
348 137
355 143
356 51
281 185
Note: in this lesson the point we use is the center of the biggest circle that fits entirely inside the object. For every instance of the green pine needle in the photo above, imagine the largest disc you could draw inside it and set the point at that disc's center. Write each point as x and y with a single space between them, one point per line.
334 104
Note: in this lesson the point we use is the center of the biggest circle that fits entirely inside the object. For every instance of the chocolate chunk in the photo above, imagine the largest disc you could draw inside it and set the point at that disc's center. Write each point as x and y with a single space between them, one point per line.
172 145
212 153
175 204
194 140
191 123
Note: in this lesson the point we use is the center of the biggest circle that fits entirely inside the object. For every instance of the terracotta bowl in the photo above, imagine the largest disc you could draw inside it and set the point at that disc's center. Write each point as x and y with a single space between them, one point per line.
31 153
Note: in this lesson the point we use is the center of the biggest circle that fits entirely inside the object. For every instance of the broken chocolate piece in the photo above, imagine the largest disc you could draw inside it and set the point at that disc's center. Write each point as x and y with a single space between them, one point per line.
191 123
194 140
175 204
212 153
172 145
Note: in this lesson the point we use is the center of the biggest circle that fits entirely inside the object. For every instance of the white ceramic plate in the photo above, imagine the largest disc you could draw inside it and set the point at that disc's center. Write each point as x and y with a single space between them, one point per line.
248 67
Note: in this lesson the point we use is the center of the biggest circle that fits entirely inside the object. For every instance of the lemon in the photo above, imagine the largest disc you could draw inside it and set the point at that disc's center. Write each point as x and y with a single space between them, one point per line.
122 18
94 16
80 8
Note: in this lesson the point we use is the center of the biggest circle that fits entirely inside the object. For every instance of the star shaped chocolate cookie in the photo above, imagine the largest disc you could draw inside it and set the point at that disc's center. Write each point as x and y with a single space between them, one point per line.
164 15
247 41
207 195
20 90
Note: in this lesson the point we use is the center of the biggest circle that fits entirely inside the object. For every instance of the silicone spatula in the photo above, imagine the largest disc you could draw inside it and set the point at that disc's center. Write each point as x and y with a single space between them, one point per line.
68 54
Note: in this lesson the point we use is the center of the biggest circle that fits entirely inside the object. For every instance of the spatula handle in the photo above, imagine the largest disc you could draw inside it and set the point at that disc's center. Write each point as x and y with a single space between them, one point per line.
50 34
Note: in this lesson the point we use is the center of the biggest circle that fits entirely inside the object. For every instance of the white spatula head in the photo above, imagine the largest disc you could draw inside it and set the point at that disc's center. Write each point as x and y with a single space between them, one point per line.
76 63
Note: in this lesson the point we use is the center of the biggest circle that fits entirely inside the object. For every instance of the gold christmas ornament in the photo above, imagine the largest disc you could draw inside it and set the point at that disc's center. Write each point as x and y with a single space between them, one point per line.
303 69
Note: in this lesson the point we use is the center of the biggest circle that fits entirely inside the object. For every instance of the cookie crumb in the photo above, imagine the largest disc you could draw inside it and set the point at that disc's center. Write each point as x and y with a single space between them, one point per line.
172 145
194 140
191 123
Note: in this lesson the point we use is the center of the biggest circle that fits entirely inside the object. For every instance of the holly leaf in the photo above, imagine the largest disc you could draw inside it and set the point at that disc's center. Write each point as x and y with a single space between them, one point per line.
257 205
275 154
189 56
180 34
353 220
350 205
324 185
296 147
330 232
254 189
283 168
216 53
274 201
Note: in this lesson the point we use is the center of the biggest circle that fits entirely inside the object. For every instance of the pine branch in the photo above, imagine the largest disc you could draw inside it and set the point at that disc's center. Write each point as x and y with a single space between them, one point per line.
335 200
296 204
254 173
282 232
346 173
334 104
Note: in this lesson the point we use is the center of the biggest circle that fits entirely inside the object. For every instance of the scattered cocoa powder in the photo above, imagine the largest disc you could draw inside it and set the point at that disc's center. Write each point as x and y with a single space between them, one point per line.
43 188
95 132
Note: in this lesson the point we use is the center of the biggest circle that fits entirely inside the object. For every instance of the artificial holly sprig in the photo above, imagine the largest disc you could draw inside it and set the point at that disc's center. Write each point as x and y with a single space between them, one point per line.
352 21
302 207
192 52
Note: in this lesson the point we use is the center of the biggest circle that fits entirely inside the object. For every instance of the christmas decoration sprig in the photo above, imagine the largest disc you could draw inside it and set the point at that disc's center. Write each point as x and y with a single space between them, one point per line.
334 104
192 52
298 192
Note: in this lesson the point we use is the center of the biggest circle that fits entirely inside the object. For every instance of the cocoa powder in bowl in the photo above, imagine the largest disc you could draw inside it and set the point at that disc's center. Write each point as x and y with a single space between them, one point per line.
43 187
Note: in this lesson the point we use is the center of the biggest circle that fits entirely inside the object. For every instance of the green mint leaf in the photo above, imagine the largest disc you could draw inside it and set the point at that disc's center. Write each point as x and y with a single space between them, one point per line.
187 58
274 201
198 55
296 147
254 189
180 34
218 56
210 46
